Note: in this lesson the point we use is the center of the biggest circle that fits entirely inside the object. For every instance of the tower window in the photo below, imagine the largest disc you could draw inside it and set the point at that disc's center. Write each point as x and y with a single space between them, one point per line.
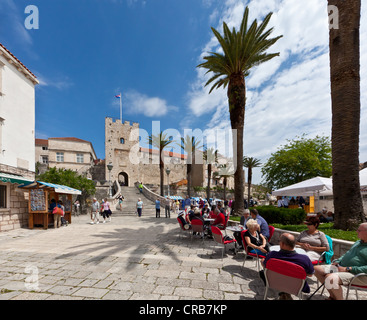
122 140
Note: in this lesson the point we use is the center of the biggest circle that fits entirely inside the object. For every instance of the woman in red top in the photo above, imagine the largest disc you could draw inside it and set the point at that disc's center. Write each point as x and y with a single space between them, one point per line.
213 212
220 220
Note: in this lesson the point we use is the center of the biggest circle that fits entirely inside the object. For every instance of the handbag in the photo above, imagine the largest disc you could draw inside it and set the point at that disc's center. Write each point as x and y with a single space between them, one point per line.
58 210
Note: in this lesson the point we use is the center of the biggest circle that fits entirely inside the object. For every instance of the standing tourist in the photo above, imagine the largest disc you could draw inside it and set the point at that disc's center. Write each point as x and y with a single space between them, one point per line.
157 208
139 207
167 208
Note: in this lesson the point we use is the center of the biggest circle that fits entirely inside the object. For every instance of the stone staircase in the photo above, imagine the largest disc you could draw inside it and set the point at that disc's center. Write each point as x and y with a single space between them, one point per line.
131 195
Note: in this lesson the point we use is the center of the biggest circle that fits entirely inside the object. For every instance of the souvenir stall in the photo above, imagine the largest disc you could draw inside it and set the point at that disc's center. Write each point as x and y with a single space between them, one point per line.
41 194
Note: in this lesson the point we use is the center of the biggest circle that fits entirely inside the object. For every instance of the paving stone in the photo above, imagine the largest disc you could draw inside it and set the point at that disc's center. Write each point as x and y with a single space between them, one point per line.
31 296
188 292
159 266
91 293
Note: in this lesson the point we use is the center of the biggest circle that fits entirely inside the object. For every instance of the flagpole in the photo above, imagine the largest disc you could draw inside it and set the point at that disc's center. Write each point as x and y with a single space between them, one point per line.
121 107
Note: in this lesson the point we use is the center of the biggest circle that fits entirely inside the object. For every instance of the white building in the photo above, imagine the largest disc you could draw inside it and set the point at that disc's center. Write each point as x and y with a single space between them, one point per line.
17 134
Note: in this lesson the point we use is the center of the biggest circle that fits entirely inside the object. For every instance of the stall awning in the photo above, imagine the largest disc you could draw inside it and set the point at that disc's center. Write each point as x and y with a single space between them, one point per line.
7 177
176 198
57 187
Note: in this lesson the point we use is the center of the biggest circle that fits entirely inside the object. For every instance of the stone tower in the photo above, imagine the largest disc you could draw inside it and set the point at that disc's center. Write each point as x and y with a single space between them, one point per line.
121 143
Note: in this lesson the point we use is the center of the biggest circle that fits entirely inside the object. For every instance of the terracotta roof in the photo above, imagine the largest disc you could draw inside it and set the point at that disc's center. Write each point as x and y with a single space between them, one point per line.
15 58
41 142
166 153
70 139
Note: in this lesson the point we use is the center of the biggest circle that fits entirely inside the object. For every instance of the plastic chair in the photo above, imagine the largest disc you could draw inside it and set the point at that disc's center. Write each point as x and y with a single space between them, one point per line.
182 228
218 238
248 253
284 276
197 226
271 232
356 287
325 257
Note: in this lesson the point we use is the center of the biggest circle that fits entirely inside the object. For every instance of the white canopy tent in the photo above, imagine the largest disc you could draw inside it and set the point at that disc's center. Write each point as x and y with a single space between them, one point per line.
363 180
310 187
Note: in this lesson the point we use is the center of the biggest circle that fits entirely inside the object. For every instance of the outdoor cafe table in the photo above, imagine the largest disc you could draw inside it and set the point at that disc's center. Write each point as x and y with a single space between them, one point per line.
235 228
277 248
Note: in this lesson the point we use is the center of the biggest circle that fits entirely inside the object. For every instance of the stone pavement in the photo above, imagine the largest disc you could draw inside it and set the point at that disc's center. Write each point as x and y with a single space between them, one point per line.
129 258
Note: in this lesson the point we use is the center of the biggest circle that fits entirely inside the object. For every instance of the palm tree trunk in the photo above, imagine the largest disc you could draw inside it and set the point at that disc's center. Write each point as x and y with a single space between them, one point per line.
188 172
249 180
161 171
224 188
344 46
237 101
208 186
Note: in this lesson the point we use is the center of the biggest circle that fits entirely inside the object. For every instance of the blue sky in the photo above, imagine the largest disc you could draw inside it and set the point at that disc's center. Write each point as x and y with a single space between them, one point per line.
87 51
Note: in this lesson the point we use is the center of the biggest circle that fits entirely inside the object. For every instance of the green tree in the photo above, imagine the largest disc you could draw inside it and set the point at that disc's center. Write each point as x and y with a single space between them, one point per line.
299 160
250 163
242 50
68 178
344 45
160 141
189 144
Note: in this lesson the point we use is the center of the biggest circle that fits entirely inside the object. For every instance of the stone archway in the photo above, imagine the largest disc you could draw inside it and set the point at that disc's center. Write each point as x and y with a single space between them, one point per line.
123 179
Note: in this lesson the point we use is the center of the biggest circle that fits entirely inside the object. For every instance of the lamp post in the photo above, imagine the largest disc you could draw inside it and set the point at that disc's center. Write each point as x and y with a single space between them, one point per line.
109 167
168 172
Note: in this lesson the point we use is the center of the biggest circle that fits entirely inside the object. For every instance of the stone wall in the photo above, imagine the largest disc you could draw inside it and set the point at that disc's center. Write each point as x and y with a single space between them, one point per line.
16 216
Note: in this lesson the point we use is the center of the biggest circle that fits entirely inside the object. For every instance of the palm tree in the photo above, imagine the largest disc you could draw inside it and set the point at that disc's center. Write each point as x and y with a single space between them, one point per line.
344 45
189 144
160 141
225 171
242 51
210 156
250 163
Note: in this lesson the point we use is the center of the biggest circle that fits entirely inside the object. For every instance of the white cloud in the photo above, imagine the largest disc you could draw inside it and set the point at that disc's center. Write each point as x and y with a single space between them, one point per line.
60 83
138 103
289 95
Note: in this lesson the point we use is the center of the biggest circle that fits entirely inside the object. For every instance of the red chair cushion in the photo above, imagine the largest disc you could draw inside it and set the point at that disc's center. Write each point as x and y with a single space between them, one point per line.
286 268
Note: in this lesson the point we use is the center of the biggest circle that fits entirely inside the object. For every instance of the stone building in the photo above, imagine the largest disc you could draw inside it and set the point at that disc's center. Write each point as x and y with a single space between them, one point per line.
132 163
67 153
17 134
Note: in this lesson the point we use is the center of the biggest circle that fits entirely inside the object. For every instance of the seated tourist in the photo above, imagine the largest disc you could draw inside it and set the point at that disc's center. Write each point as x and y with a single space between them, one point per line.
343 270
313 241
264 227
213 212
287 244
244 218
220 220
254 239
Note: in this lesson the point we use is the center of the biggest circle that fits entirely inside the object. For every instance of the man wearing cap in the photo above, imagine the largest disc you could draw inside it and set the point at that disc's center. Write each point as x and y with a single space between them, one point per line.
95 211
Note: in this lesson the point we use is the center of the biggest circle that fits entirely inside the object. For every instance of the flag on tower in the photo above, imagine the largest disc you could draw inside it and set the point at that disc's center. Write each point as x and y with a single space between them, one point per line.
118 96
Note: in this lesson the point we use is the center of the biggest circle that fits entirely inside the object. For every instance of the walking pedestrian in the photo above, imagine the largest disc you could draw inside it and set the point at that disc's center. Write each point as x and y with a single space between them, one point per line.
139 207
95 211
121 199
106 211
